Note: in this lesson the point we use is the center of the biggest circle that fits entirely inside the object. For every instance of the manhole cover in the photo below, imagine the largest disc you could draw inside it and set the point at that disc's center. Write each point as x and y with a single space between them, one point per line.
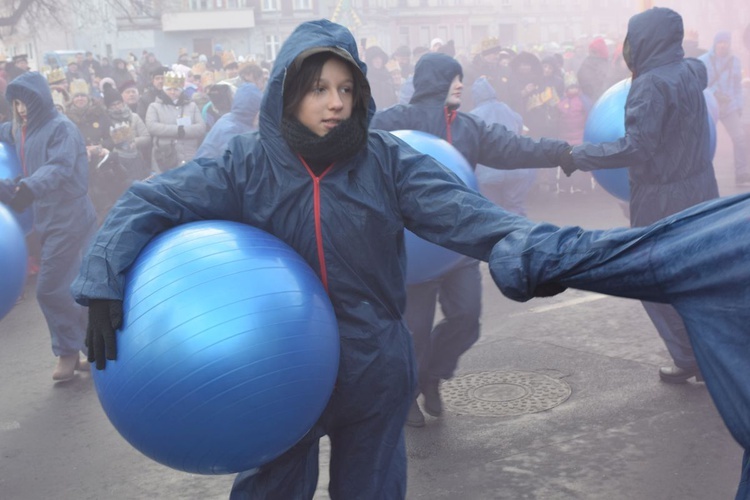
503 394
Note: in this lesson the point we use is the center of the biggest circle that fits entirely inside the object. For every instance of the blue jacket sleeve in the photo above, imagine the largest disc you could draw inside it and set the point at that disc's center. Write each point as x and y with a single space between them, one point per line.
644 115
58 178
199 190
501 148
436 206
6 133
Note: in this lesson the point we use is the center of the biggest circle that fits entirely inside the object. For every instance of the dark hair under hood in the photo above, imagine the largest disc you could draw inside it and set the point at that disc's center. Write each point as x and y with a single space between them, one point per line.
307 39
31 88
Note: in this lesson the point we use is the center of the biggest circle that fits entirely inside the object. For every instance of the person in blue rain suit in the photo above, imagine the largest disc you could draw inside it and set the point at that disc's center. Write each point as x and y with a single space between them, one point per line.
341 195
53 159
241 119
725 83
666 147
434 109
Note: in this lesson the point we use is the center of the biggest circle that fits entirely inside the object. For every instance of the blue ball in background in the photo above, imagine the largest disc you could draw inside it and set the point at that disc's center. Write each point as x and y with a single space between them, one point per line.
228 353
13 268
606 123
10 168
427 261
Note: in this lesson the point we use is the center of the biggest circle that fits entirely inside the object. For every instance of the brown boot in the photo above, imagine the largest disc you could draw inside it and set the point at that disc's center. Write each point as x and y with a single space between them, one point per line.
66 366
83 366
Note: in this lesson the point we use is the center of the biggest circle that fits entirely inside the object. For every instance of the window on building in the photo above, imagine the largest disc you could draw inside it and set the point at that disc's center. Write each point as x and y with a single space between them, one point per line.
404 37
270 5
459 36
302 4
273 44
424 36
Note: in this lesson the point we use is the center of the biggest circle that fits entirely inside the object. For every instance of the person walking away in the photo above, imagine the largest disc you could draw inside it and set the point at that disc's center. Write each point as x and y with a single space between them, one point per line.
666 147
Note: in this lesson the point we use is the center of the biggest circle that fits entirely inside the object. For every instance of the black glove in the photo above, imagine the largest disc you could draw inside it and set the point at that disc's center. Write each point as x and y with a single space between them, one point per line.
22 199
180 132
105 318
566 162
549 289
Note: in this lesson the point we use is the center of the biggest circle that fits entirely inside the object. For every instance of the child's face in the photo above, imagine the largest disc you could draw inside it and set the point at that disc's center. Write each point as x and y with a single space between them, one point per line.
330 100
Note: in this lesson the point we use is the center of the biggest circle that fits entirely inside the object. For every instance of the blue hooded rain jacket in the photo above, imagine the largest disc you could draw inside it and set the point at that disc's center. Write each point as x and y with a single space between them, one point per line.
667 143
490 144
241 119
53 158
348 224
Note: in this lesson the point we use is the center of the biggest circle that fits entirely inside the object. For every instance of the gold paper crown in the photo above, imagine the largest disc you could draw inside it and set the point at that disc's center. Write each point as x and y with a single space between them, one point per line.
490 43
121 132
56 75
173 80
78 87
227 58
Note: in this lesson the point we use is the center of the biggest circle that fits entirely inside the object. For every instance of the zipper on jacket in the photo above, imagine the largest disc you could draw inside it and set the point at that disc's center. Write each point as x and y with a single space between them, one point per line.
23 151
318 225
450 115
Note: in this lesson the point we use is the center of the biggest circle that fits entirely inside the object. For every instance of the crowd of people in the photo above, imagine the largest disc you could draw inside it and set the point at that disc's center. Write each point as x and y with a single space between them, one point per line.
318 121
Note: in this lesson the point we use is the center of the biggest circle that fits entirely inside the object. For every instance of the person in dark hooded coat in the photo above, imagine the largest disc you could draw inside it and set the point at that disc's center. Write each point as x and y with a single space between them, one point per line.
241 119
666 147
433 109
340 195
52 153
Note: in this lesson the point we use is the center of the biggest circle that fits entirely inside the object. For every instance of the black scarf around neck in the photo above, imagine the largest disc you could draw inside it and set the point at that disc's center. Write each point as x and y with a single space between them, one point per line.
341 143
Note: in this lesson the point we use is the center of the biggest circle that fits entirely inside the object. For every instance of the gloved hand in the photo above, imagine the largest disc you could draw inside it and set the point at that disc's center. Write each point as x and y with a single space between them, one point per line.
549 289
566 162
180 132
105 318
22 199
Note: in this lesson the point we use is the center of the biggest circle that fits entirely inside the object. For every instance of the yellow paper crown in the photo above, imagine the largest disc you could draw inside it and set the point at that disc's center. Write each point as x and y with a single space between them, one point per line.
56 75
79 87
490 43
173 80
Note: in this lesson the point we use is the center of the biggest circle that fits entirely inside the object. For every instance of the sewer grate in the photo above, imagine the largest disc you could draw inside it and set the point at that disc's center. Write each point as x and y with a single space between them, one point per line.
503 394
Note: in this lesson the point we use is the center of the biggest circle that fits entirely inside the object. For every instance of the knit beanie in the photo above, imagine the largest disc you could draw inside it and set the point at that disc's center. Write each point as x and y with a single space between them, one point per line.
111 95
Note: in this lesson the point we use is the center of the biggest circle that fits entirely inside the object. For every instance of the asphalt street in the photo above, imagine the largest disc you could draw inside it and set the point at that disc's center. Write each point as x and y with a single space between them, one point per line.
560 399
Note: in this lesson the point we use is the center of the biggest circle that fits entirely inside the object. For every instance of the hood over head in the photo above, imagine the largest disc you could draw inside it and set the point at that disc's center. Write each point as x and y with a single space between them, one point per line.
482 91
433 76
654 39
246 102
31 88
307 39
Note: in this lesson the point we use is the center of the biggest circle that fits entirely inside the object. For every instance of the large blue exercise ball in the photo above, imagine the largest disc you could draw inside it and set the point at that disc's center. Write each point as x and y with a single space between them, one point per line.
10 168
228 353
606 123
426 261
12 261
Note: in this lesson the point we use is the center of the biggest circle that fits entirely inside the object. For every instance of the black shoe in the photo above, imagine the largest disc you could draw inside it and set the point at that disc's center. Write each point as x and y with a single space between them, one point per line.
676 375
433 405
415 417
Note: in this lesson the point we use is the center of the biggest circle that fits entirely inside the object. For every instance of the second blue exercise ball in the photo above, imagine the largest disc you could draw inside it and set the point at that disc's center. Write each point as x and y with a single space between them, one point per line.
426 261
10 168
13 259
228 353
606 123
